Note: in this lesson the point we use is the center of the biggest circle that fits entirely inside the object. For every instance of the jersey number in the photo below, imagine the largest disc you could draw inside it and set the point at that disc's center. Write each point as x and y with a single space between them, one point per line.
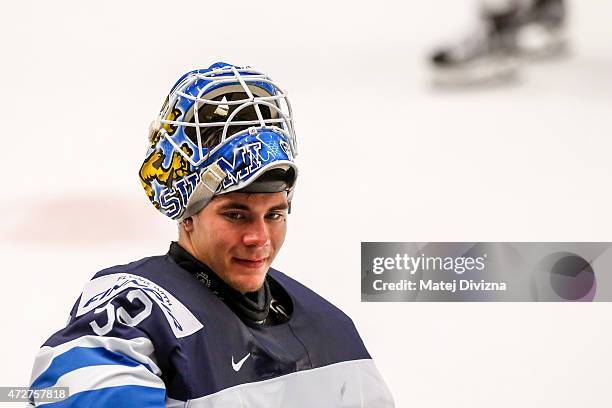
122 315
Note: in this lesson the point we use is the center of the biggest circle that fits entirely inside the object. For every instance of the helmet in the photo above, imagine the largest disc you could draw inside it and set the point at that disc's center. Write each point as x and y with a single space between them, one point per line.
221 129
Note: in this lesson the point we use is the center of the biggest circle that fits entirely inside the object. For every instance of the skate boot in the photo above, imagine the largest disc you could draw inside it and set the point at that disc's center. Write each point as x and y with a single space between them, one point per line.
503 36
541 33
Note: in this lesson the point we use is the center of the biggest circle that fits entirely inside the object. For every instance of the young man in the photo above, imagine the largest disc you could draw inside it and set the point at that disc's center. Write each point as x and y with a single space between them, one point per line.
211 324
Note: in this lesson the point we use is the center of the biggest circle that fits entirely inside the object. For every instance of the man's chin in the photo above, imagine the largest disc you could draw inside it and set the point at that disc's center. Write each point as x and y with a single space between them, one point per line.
247 286
248 282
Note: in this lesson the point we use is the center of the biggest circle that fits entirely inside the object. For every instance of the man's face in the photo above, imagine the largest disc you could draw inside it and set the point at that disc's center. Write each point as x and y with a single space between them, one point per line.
238 235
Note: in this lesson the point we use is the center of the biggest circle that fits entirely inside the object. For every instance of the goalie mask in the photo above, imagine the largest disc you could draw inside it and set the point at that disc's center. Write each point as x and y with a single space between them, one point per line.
221 129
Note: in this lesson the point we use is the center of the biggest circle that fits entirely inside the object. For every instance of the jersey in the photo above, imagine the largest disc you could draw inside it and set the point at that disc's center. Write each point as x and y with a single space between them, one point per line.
149 334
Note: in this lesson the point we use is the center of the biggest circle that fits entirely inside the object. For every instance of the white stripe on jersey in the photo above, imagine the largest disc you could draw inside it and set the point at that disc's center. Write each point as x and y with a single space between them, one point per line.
140 349
103 376
172 403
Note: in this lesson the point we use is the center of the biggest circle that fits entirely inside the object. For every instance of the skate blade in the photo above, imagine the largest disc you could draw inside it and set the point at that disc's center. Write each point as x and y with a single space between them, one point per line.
485 71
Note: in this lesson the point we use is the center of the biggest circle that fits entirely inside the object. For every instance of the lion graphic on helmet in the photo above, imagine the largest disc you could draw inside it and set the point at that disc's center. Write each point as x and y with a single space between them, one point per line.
153 169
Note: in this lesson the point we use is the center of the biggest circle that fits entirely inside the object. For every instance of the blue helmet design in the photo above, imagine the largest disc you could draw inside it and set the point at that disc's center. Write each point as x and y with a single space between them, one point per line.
219 130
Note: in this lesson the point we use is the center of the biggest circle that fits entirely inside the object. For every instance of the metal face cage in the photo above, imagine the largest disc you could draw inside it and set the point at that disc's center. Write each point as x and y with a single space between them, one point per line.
247 99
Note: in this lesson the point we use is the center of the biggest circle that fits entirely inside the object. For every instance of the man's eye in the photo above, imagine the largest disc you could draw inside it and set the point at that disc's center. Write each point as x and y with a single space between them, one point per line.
275 216
234 216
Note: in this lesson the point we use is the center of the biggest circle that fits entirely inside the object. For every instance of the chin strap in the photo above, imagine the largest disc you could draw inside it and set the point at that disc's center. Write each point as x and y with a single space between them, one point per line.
210 179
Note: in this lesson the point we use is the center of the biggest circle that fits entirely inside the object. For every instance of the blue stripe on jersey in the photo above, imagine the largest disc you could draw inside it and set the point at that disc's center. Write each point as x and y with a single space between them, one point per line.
126 396
79 357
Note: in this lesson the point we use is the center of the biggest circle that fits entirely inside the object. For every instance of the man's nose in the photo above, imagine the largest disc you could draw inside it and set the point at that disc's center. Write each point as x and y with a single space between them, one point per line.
256 234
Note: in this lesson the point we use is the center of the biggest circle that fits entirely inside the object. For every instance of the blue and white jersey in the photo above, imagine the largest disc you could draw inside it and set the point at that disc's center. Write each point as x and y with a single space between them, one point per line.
149 334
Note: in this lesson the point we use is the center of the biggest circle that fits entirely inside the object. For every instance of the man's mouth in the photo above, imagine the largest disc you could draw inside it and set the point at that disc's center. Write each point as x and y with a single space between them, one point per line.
251 262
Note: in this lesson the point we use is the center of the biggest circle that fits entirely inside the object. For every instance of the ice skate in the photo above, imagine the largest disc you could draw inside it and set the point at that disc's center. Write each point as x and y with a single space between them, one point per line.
502 40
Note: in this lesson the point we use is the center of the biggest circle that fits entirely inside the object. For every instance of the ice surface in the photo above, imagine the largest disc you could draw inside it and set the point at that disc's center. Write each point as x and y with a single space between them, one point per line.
529 161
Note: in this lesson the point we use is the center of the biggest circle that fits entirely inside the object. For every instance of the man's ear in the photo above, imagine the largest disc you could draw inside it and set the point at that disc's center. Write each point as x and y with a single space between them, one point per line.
187 224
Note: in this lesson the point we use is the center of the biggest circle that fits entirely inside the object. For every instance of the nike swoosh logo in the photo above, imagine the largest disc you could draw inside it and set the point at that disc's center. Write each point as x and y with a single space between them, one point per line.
238 365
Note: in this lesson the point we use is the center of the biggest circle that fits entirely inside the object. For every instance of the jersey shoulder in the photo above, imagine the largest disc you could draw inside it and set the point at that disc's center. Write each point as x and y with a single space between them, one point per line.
155 283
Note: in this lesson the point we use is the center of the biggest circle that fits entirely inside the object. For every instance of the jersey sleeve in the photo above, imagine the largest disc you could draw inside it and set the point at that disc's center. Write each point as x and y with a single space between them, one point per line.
105 356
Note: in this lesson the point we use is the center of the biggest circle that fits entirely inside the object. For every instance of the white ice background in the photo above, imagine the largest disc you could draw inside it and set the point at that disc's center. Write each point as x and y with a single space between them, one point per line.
383 157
